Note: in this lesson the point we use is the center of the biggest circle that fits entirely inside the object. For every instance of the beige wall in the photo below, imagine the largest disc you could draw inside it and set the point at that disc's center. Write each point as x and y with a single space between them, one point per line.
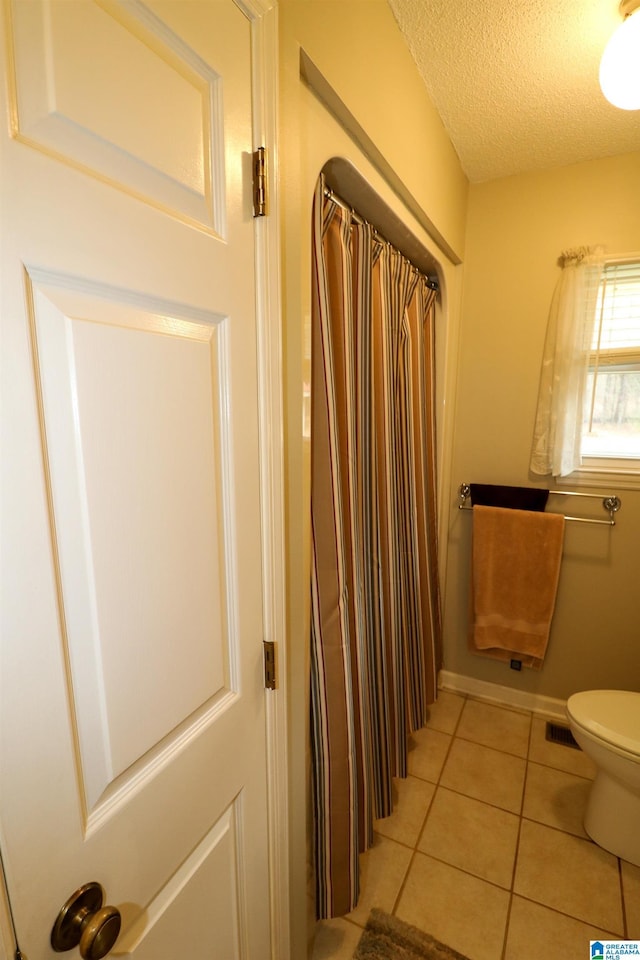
359 51
516 229
357 46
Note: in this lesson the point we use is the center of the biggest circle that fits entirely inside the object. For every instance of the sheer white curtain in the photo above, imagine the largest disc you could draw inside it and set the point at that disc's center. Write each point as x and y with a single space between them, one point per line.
558 426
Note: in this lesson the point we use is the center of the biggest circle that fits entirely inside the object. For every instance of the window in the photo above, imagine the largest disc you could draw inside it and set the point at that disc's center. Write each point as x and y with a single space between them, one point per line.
611 424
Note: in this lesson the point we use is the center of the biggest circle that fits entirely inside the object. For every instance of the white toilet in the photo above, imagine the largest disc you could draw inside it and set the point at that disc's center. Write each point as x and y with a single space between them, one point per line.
606 724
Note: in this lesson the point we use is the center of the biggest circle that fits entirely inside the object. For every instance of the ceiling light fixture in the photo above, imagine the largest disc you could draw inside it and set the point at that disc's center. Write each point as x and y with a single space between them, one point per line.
620 64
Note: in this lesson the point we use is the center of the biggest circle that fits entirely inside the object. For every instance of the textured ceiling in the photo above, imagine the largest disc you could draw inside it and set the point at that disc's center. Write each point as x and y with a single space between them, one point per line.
516 81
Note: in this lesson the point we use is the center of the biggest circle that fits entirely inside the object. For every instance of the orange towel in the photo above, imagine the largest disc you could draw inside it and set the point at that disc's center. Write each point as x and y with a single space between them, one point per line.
515 572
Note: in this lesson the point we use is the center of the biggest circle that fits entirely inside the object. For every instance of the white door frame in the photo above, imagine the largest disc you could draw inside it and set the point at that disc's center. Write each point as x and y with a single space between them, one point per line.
269 321
264 38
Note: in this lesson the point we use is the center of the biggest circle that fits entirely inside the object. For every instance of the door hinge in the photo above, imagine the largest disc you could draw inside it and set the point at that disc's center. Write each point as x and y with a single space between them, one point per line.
260 182
269 664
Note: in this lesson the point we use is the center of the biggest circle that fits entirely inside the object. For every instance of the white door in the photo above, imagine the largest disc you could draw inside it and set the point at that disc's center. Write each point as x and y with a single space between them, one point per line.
133 716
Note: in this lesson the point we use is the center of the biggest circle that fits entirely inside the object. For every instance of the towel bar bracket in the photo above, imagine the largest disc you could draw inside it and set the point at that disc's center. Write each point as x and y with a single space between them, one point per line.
612 504
464 492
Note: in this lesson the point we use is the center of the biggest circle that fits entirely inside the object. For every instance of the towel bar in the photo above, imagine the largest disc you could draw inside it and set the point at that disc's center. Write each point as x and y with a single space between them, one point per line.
611 504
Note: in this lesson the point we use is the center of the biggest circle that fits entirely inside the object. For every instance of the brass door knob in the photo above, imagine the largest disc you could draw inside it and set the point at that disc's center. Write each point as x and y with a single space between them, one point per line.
83 921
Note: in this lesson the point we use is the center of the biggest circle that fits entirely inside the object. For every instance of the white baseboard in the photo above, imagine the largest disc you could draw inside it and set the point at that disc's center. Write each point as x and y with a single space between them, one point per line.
505 696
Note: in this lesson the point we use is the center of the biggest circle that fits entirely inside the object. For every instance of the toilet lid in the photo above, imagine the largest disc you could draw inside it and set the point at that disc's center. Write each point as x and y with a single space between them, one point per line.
611 715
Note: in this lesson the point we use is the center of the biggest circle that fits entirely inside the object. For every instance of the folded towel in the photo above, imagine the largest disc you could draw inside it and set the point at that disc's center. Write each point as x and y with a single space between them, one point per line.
515 573
516 498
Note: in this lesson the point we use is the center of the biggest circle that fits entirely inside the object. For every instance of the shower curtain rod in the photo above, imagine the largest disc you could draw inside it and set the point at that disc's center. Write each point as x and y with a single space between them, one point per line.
330 195
432 282
611 504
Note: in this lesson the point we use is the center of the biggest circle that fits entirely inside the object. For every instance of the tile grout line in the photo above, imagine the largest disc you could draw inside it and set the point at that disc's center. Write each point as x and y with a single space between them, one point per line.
625 925
569 916
424 822
517 847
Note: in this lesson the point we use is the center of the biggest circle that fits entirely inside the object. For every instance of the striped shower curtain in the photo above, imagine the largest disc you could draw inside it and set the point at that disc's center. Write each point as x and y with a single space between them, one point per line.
375 603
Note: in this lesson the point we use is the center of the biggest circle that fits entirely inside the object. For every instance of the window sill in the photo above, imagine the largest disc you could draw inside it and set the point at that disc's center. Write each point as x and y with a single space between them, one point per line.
624 478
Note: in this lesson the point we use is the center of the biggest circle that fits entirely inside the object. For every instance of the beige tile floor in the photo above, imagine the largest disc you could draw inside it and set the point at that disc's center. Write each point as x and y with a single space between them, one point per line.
485 849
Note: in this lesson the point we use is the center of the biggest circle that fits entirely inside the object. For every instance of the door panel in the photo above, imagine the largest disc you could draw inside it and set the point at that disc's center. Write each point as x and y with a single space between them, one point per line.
74 60
133 716
186 900
131 406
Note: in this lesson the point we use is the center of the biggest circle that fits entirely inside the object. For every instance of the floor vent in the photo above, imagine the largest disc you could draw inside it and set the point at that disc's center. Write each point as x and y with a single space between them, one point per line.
559 734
